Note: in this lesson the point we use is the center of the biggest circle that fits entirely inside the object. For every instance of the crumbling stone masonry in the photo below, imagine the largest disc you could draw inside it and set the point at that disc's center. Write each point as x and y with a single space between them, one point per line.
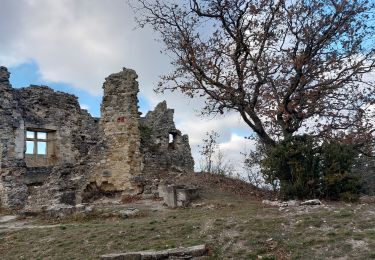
163 147
120 125
52 152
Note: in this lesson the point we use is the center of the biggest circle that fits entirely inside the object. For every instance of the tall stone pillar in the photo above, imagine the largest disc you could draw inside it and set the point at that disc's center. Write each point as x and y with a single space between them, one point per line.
119 121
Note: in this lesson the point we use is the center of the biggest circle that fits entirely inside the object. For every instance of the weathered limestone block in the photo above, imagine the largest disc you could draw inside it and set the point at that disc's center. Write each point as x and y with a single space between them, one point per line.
129 213
162 190
170 197
177 195
311 202
185 195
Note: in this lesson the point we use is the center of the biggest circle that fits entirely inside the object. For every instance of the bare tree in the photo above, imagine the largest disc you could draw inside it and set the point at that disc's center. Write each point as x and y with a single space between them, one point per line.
284 66
222 165
214 160
208 149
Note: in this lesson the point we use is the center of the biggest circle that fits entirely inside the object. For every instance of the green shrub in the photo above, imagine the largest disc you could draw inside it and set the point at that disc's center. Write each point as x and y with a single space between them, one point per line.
294 164
365 168
339 182
305 169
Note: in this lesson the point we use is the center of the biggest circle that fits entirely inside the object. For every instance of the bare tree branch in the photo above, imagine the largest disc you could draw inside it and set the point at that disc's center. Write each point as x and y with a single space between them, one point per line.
285 66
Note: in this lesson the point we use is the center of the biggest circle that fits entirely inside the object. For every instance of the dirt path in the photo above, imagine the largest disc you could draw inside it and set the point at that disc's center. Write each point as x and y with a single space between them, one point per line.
11 222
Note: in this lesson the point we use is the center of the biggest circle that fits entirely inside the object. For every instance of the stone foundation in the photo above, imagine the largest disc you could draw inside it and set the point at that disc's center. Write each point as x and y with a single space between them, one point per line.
194 252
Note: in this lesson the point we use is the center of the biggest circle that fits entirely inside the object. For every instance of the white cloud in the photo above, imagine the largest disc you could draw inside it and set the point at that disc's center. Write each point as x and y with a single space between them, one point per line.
78 42
84 106
237 144
231 144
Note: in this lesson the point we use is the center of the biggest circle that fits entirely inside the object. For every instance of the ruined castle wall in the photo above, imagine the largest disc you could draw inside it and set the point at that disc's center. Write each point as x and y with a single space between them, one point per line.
164 148
12 191
71 131
10 118
85 156
119 122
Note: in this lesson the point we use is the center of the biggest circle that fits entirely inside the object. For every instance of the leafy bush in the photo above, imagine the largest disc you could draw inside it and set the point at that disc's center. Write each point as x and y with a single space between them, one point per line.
365 167
305 169
294 163
339 182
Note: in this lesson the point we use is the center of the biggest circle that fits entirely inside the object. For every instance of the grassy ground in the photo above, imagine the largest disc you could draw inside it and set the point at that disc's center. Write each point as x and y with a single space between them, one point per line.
235 227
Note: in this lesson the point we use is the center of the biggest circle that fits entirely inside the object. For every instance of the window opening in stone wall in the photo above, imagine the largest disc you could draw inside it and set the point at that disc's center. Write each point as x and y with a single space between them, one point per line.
171 138
172 141
36 143
40 148
29 147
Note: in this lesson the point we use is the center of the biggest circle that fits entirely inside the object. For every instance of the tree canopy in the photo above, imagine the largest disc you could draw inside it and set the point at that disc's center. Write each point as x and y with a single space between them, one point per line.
285 66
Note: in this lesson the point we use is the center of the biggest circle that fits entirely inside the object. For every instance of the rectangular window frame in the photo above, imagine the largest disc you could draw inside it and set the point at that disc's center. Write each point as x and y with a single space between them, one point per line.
46 141
36 140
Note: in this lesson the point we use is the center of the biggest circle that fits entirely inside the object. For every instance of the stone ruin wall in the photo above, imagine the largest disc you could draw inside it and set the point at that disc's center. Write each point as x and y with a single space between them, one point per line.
72 131
120 152
163 147
120 126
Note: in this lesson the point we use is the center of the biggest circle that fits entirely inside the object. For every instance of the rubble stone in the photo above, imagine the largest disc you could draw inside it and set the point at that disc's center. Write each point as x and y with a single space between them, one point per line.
130 212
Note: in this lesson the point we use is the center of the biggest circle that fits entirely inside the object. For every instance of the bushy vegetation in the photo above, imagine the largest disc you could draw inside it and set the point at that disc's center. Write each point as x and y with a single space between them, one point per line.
339 182
305 169
365 167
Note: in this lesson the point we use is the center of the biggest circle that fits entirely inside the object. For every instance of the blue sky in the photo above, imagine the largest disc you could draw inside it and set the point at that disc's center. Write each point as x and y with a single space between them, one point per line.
25 74
28 73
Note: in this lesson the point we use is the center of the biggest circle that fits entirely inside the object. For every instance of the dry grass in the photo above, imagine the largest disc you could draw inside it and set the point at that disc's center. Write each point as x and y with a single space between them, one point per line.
232 221
218 183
